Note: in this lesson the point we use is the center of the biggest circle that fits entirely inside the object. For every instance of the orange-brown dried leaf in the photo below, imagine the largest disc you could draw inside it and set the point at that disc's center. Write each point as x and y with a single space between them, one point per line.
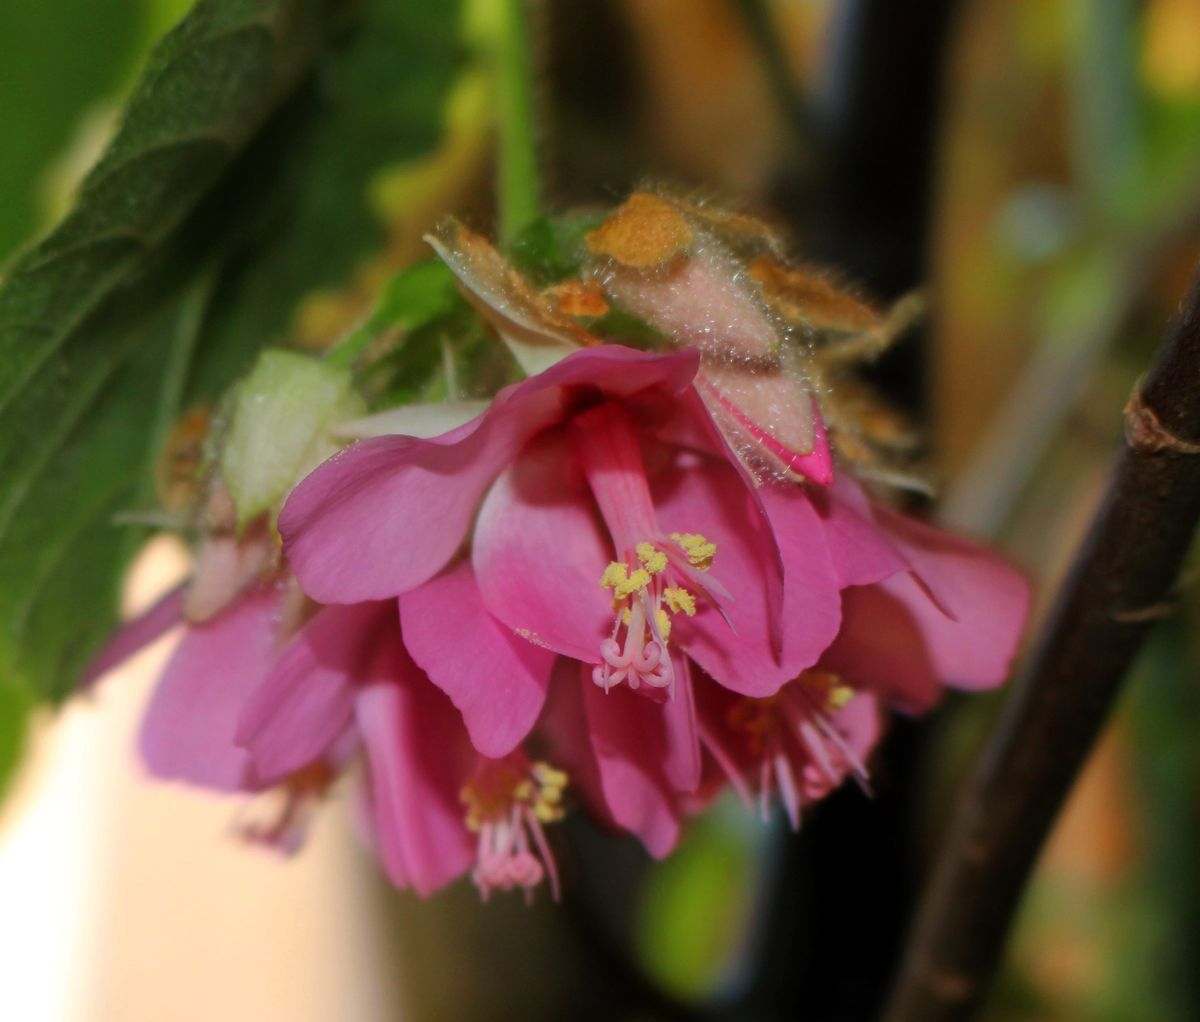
177 471
811 300
853 406
738 228
644 233
579 299
527 321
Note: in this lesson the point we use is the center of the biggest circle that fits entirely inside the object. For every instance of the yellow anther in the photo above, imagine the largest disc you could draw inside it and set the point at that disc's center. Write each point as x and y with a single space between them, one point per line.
839 696
637 582
616 574
546 813
626 616
700 552
548 776
617 578
653 559
680 599
493 793
664 623
547 807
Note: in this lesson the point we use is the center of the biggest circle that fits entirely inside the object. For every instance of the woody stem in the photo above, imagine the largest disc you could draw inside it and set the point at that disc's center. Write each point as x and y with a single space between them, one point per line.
1118 586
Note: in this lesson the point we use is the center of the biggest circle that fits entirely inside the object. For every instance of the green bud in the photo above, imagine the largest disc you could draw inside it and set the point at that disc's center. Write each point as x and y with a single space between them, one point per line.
280 428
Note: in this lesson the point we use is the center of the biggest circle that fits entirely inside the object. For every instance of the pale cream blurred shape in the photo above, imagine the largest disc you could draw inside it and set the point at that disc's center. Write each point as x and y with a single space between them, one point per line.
128 900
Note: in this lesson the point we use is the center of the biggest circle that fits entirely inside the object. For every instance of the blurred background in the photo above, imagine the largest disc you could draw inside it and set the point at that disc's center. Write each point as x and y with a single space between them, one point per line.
1034 167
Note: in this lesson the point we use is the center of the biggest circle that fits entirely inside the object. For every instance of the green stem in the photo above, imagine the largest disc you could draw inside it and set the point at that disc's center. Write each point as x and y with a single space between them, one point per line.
792 105
512 66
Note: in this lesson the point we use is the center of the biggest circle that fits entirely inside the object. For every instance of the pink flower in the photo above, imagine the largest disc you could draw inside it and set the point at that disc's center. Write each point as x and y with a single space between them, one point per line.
950 617
188 729
608 459
614 527
235 712
433 805
802 742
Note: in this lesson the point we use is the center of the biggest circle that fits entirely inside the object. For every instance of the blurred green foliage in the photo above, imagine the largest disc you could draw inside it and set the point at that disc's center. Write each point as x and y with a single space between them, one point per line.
237 183
696 910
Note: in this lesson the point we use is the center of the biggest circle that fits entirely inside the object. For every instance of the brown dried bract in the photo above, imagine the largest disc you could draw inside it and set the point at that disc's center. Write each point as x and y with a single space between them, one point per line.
739 229
811 300
577 298
177 473
501 294
642 234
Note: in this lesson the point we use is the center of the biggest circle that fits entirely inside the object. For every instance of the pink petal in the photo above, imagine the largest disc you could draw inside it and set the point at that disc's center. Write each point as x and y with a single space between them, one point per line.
568 740
306 699
226 567
861 549
416 755
707 497
538 553
386 514
681 763
904 645
861 723
136 634
965 579
882 647
812 611
497 679
628 740
188 730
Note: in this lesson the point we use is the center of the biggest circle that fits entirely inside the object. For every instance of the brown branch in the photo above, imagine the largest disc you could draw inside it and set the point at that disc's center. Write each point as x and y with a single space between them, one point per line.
1119 583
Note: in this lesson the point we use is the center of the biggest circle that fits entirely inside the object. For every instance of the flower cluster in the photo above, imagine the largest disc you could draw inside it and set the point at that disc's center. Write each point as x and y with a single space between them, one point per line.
635 579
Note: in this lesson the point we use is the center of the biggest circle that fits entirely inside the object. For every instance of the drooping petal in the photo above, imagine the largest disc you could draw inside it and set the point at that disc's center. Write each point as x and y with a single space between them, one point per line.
416 749
811 596
882 647
564 727
306 699
904 645
860 548
968 582
681 763
629 742
188 730
136 634
497 679
538 553
707 497
954 619
386 514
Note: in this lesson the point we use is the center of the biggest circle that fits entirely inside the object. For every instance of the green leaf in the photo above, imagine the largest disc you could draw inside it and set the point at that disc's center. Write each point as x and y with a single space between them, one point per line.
14 718
694 913
39 106
413 298
550 249
234 187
